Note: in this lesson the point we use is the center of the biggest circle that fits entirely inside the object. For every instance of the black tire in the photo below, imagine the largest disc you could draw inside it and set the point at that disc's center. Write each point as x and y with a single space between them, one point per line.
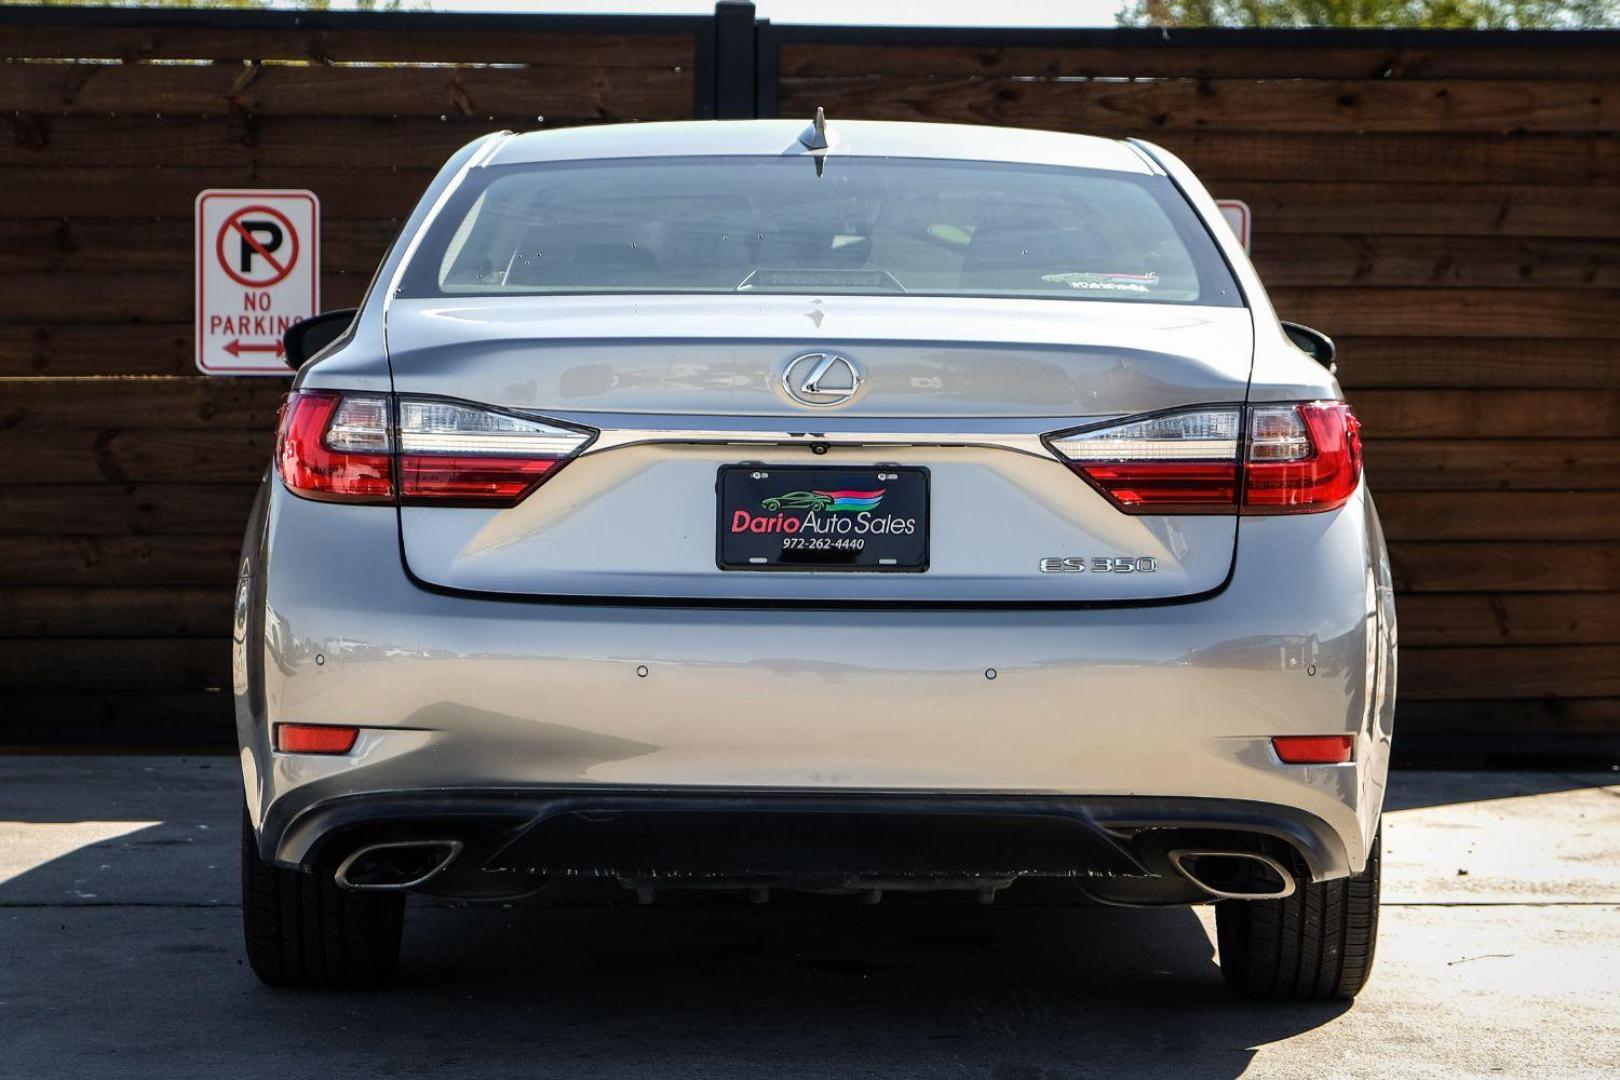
302 930
1314 945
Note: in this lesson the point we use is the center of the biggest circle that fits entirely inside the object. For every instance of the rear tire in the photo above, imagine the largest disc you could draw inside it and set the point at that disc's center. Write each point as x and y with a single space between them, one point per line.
302 930
1314 945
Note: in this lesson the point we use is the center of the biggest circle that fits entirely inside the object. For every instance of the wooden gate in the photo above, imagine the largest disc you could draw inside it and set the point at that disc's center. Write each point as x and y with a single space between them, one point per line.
1447 205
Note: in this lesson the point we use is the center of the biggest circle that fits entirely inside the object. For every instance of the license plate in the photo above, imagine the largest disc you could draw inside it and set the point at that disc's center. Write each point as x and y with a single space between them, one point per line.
806 517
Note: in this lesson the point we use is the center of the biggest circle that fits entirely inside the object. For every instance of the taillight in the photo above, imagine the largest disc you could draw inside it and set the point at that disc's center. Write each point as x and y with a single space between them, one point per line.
341 447
453 452
335 447
1295 458
1302 458
1176 463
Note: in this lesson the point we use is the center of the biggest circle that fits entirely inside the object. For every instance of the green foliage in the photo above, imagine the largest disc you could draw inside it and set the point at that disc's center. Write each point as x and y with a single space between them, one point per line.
1432 14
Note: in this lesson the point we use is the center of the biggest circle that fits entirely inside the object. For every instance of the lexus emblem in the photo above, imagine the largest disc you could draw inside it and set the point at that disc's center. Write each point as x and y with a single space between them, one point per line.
821 379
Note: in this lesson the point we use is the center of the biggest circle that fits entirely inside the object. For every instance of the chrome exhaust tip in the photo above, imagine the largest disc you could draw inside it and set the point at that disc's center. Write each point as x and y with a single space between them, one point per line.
1185 860
397 865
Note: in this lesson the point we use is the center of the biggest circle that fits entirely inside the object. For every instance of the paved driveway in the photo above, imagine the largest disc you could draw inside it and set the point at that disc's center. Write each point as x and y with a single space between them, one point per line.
119 957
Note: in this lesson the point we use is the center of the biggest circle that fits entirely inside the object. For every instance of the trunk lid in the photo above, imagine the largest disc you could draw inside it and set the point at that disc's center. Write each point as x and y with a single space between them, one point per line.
681 387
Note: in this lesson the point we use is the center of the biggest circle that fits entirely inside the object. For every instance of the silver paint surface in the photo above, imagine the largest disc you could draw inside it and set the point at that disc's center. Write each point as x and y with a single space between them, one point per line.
1292 631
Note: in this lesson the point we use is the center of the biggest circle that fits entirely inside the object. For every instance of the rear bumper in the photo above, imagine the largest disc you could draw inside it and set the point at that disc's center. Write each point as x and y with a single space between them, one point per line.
509 841
462 698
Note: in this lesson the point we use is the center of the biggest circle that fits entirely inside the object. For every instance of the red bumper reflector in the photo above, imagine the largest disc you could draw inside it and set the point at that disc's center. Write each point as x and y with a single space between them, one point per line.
315 738
1313 749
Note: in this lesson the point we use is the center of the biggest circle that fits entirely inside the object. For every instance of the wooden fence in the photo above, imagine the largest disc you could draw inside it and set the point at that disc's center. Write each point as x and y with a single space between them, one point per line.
1447 205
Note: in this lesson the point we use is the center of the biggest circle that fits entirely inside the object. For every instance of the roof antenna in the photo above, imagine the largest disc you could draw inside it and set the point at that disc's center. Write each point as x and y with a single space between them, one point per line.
814 137
818 140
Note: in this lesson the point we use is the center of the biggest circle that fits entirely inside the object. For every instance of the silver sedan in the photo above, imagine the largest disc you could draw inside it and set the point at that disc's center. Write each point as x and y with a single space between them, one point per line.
854 508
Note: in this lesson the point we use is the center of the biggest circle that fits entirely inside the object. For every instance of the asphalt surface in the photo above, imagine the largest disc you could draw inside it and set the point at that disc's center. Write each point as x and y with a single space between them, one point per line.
120 957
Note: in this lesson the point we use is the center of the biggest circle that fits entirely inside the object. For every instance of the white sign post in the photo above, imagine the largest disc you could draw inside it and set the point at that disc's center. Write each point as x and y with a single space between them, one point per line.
1236 213
258 272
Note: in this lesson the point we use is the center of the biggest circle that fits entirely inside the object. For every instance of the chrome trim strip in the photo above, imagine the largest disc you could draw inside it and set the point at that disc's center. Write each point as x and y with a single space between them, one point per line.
1024 435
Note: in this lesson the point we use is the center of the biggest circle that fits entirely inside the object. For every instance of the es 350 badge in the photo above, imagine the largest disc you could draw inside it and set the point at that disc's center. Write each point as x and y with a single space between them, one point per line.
1099 564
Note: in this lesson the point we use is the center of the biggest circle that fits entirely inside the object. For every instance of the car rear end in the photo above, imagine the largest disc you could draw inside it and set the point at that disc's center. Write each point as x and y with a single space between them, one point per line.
681 513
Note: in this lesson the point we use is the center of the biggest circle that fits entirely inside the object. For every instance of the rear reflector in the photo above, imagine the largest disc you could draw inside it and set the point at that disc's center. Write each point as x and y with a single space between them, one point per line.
315 738
1313 749
342 447
1287 459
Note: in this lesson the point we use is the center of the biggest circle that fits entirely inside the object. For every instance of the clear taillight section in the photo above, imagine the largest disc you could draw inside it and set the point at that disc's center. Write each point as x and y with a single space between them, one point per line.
341 447
1262 459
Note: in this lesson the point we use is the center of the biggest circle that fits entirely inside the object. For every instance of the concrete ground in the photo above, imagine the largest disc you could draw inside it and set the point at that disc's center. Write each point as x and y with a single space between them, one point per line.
120 957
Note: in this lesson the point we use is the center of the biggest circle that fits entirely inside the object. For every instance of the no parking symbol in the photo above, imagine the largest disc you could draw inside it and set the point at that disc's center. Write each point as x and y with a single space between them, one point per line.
258 272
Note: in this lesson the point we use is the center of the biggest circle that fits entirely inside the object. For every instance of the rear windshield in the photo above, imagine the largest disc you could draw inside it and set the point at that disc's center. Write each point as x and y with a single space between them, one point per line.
864 226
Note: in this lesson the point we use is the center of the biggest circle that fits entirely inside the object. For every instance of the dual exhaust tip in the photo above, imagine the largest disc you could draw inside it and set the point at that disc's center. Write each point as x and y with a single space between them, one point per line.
1234 875
397 865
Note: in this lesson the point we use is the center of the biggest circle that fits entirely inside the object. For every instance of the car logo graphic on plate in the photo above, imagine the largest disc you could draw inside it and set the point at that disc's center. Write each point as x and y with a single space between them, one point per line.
821 379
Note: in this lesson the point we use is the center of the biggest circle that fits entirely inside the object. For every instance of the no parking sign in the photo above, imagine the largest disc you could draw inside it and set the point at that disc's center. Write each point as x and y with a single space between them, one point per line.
258 272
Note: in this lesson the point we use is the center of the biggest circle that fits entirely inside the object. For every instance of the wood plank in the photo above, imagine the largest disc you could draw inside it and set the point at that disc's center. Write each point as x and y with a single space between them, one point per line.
590 93
1428 209
86 456
140 403
240 141
1437 261
1450 567
395 142
396 44
1486 465
1500 515
807 61
132 296
145 245
86 191
1488 414
87 665
1456 158
167 612
1509 619
1525 671
1106 106
1511 717
1444 363
1454 312
68 349
141 509
119 560
123 721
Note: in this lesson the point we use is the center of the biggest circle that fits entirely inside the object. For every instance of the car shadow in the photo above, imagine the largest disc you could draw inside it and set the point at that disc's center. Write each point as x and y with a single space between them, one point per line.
1412 789
120 955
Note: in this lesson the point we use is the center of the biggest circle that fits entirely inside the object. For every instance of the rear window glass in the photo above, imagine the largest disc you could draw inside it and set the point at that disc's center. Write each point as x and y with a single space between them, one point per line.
862 226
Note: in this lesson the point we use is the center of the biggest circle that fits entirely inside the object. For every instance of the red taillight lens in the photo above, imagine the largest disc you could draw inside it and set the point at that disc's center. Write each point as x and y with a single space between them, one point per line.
315 738
470 478
1313 749
1319 475
1299 458
341 447
325 451
1166 487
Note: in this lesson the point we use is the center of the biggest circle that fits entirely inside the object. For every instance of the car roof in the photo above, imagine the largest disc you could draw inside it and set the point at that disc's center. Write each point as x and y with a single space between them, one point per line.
865 138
